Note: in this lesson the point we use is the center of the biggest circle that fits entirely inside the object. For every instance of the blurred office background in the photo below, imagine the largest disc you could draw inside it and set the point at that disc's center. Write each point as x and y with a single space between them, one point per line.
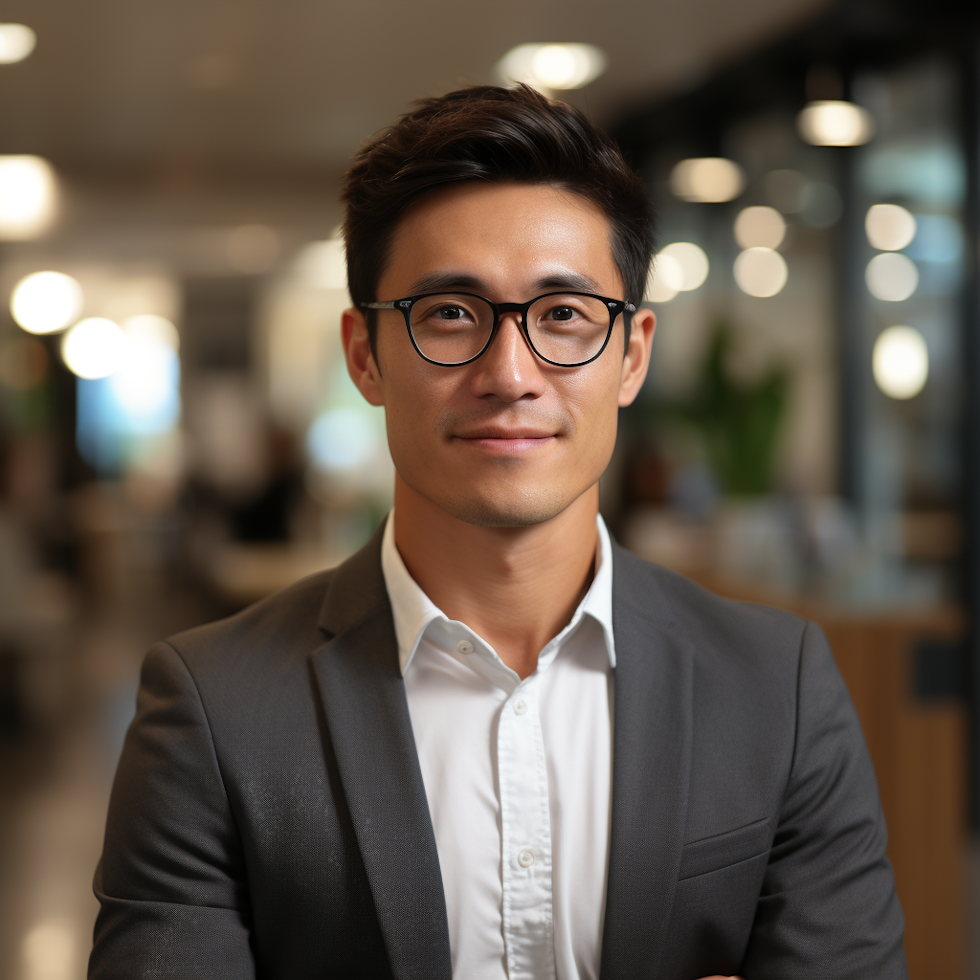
178 436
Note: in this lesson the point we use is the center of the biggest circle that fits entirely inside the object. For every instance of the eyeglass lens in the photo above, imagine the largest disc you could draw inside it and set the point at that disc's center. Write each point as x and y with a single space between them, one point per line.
568 328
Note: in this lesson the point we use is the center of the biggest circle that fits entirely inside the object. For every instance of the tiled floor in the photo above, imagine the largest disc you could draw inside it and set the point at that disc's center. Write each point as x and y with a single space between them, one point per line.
54 789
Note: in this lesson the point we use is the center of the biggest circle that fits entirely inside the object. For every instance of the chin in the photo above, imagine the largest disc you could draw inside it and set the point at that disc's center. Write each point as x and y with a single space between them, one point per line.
523 510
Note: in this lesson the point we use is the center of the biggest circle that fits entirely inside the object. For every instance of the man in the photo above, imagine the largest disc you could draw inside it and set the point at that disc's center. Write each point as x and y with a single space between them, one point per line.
493 744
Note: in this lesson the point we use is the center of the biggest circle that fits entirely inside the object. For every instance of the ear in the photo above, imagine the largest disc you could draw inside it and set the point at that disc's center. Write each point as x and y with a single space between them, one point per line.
637 358
361 365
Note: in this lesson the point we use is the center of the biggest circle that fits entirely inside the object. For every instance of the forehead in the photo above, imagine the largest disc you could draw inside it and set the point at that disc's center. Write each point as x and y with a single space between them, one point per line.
507 236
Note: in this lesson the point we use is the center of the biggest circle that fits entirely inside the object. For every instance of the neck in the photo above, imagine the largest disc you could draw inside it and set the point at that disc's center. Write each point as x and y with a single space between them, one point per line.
517 587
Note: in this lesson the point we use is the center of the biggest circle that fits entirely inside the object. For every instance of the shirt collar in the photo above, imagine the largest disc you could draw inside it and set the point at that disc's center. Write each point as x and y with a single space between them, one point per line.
413 610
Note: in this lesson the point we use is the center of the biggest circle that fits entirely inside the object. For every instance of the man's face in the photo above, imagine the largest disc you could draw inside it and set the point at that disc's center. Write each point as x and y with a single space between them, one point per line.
507 440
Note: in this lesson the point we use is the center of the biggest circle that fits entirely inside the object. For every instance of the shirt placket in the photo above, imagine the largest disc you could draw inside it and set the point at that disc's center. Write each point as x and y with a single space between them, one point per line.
526 859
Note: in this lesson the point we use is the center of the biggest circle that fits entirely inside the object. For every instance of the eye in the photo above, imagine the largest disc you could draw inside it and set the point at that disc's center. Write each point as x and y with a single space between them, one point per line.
562 313
450 313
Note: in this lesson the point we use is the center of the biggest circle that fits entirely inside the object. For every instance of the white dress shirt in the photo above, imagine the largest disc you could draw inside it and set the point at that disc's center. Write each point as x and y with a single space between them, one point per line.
518 775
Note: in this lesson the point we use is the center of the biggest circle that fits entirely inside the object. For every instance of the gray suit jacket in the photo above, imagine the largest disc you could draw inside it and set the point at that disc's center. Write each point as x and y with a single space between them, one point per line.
269 818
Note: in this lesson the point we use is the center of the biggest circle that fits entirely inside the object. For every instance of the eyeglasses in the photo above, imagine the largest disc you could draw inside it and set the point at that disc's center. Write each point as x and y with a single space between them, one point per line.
564 329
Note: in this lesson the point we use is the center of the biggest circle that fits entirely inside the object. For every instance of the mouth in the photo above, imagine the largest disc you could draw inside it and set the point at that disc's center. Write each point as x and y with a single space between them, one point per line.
505 441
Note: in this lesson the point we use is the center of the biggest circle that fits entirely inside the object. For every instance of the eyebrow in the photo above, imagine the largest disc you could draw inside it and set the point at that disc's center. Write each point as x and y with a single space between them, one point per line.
437 282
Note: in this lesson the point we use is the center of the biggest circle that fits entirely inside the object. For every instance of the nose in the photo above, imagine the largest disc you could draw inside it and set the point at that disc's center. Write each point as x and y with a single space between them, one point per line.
509 370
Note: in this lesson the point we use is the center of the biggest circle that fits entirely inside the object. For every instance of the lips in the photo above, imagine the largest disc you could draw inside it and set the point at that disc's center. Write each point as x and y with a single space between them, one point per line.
495 432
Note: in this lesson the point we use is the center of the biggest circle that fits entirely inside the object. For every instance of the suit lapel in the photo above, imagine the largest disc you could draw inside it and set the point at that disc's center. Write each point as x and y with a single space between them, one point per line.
371 734
651 764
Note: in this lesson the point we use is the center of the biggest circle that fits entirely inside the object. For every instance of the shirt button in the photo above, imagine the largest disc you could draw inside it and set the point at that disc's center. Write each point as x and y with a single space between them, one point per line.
525 858
464 646
520 708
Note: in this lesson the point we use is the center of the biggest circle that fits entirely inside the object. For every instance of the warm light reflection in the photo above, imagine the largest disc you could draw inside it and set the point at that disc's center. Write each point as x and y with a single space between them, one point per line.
891 277
692 261
46 302
759 227
28 195
707 180
664 280
551 67
900 362
17 41
760 272
834 123
93 348
889 227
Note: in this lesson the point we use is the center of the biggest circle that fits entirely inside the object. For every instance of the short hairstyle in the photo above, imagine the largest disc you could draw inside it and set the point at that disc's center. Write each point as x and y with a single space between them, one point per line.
490 134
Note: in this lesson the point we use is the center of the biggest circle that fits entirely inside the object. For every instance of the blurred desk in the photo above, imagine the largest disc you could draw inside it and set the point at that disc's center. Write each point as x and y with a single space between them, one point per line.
918 747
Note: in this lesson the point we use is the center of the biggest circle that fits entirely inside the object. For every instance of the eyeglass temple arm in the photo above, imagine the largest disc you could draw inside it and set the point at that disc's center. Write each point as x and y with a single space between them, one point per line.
388 305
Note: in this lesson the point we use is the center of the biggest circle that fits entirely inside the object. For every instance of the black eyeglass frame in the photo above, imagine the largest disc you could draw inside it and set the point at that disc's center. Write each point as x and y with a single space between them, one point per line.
614 306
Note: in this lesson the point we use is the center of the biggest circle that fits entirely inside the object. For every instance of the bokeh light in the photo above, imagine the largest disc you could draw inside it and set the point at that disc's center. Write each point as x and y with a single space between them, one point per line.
900 362
692 260
146 386
891 277
835 123
46 302
664 280
28 195
150 328
17 41
93 348
760 272
707 180
889 227
759 226
551 67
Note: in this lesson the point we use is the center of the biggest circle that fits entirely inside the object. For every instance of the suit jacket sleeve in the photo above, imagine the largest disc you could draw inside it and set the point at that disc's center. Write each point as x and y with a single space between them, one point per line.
171 881
828 906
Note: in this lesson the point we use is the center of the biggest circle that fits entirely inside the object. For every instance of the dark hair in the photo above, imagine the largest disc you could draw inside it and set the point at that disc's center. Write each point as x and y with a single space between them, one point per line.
491 134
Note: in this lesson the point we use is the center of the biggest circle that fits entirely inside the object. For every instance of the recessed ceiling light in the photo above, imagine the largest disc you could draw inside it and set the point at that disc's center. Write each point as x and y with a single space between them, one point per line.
17 41
552 67
834 123
707 180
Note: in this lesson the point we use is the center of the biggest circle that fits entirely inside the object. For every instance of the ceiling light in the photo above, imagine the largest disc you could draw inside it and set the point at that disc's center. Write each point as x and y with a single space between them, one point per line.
323 264
692 261
759 226
93 348
900 362
664 280
551 67
891 277
46 302
17 41
707 180
889 227
760 272
27 196
835 123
